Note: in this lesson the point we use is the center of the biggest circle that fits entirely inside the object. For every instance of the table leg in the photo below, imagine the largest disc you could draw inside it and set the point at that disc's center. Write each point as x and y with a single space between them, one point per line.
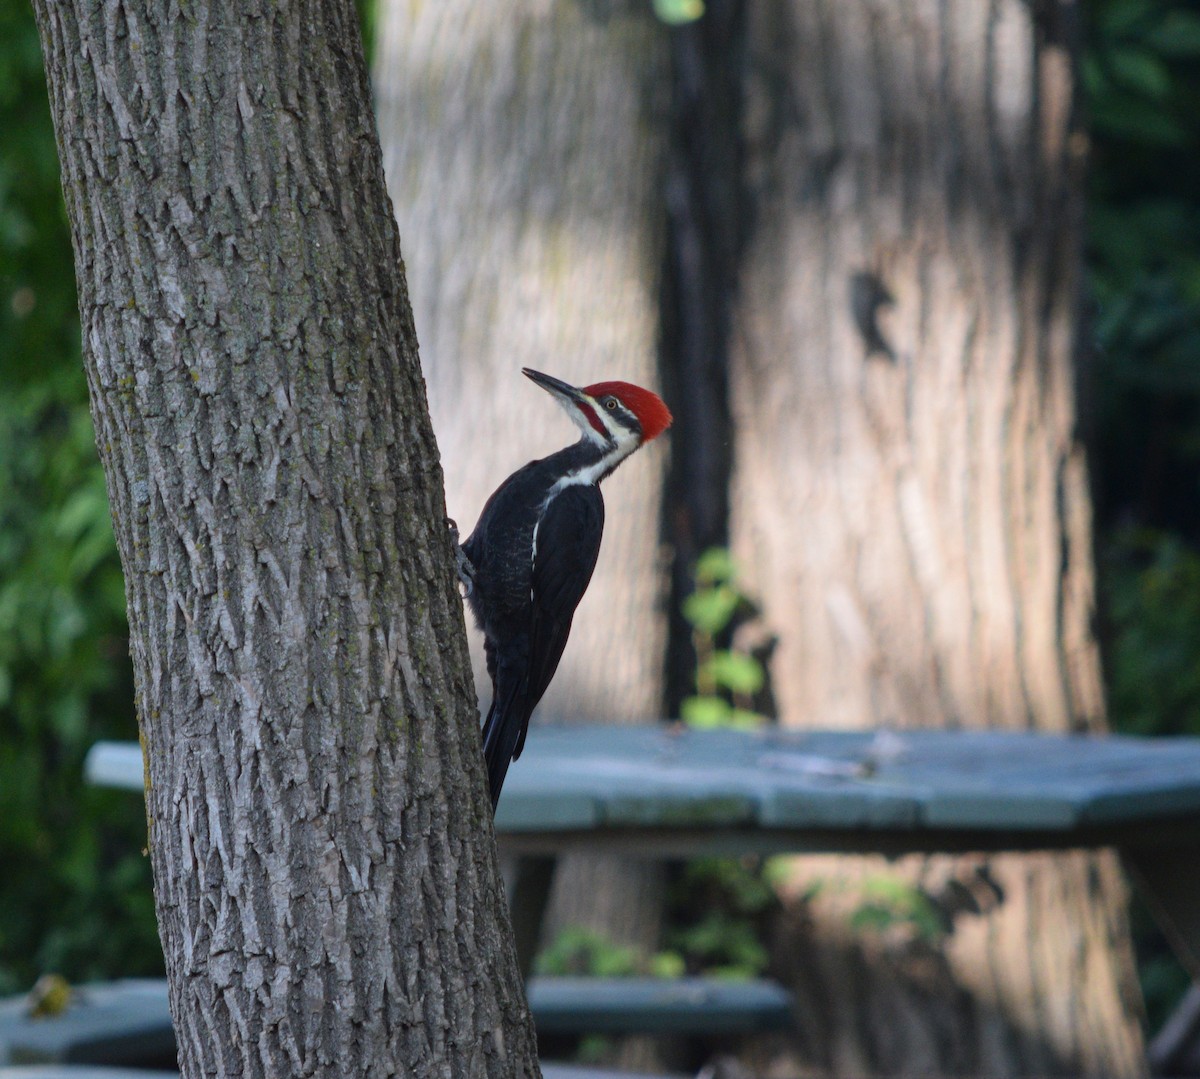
527 882
1175 1050
1169 878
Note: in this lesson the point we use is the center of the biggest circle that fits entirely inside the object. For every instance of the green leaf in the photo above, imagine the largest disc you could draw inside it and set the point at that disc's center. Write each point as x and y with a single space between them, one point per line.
705 712
741 719
710 609
678 12
777 870
1122 18
579 950
715 566
873 917
736 671
594 1049
736 972
1141 70
1123 116
1178 34
667 965
723 945
890 901
85 510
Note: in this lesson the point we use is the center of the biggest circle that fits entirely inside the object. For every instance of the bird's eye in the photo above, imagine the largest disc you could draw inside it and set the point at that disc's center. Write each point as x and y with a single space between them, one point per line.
610 402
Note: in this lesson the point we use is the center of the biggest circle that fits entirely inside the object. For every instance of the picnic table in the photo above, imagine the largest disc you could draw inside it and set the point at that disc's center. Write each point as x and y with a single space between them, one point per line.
667 791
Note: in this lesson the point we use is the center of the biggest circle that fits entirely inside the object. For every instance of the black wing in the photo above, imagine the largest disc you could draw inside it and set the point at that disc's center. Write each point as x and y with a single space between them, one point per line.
567 545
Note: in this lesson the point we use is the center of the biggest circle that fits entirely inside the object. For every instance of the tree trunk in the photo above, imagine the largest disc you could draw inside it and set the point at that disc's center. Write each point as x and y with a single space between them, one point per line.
524 156
910 494
524 167
320 836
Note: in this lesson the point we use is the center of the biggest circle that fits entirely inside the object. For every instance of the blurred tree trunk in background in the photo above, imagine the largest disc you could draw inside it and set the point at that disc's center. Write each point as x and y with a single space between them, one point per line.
523 162
911 499
524 153
325 876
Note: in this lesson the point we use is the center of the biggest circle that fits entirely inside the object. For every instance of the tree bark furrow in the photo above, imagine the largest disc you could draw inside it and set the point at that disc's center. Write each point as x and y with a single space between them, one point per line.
278 510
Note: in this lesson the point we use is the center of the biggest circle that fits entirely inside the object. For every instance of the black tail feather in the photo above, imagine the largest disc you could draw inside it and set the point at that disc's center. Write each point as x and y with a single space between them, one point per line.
503 731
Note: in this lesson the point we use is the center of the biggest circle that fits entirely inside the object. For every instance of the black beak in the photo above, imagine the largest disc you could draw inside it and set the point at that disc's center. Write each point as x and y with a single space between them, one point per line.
554 385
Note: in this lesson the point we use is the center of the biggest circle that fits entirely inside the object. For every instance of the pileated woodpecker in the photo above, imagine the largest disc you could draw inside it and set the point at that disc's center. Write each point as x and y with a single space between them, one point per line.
532 553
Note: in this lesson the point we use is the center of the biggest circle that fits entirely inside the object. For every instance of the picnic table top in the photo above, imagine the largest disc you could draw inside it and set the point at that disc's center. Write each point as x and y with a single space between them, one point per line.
679 790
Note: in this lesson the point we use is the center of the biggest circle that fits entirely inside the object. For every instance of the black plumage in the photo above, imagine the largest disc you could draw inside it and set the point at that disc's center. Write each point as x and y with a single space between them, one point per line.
525 606
532 553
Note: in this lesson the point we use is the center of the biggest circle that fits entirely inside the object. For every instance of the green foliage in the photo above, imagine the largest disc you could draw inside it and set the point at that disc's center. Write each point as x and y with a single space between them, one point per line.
1154 596
578 950
707 712
1141 78
710 609
719 905
890 902
739 673
75 896
1129 74
727 680
368 24
678 12
1141 82
1163 979
746 883
719 910
722 945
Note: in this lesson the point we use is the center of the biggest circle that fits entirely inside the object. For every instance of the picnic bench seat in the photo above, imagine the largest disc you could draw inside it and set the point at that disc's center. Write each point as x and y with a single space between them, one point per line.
125 1022
713 1007
81 1071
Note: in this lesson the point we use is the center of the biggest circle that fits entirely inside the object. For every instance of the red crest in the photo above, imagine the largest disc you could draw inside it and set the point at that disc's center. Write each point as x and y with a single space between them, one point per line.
648 407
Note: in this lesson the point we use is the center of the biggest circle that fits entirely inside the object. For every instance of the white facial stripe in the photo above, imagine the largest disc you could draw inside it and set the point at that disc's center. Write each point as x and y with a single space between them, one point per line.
581 421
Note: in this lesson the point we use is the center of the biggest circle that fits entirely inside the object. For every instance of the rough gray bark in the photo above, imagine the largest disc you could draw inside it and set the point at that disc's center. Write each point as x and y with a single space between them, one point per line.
524 159
910 494
320 835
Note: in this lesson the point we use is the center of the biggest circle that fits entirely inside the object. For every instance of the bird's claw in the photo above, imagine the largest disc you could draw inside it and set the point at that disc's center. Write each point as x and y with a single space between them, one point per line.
462 564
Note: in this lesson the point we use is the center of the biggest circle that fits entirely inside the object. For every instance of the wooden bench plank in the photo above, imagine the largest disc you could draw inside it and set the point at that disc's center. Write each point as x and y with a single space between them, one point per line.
128 1021
83 1071
115 764
562 807
834 805
124 1022
698 1006
642 792
575 778
588 1071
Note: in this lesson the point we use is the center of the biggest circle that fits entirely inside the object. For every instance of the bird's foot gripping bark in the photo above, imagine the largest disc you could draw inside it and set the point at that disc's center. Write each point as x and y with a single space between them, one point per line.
462 564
